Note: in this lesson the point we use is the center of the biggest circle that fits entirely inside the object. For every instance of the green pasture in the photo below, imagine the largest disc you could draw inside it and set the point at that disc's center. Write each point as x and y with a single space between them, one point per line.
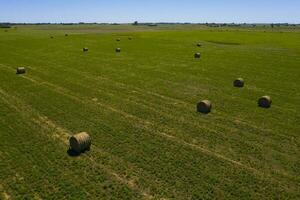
139 107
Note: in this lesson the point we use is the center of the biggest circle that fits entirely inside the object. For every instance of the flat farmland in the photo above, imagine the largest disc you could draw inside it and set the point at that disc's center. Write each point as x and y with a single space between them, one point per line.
139 107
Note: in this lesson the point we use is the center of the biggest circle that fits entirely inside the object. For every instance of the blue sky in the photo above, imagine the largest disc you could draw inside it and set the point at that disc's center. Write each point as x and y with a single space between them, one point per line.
122 11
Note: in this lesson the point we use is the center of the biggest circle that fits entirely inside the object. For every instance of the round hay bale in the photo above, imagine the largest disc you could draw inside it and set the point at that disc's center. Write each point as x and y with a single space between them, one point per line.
239 82
21 70
265 102
199 45
80 142
197 55
118 50
204 106
118 39
85 49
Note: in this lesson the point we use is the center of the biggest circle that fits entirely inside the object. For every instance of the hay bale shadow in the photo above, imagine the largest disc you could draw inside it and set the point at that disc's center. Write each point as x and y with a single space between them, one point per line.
72 153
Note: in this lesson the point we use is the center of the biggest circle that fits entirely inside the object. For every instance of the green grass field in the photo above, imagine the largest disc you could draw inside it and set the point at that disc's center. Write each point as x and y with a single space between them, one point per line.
139 106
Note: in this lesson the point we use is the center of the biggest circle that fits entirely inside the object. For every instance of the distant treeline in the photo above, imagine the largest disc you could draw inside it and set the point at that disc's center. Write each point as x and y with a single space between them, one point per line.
5 25
9 25
219 24
249 25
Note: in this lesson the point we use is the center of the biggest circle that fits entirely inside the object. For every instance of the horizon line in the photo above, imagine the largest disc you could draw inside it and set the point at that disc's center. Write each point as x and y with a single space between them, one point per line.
161 22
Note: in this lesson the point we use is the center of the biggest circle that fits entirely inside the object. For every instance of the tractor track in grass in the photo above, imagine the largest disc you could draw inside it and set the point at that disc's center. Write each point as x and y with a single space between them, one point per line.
41 82
179 102
173 74
24 111
171 99
50 127
188 105
174 139
149 125
67 134
146 122
63 135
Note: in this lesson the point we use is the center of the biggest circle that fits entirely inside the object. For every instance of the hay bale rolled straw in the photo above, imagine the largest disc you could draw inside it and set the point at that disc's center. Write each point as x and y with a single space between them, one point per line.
21 70
197 55
85 49
265 102
118 50
118 39
239 82
204 106
80 142
199 45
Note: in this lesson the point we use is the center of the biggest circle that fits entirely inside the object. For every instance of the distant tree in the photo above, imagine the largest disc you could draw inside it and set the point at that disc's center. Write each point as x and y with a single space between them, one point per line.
136 23
152 24
5 25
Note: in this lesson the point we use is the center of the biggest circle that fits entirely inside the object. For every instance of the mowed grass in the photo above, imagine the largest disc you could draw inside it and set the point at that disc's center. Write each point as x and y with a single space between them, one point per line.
139 106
